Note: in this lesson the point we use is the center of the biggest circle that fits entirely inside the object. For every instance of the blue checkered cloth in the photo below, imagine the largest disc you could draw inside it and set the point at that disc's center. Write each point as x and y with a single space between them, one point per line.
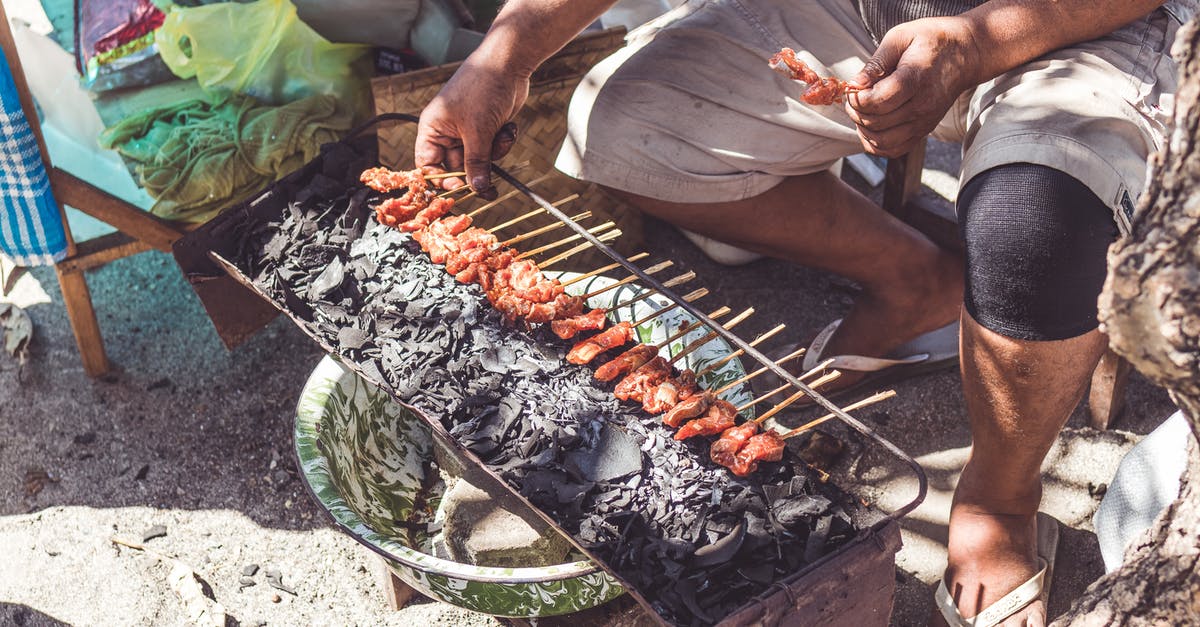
31 228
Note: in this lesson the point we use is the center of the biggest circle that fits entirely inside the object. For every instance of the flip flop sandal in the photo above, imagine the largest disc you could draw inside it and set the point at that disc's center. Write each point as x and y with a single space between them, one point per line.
1036 588
930 352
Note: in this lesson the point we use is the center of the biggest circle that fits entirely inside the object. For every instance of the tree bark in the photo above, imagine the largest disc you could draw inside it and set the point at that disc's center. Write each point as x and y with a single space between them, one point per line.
1150 309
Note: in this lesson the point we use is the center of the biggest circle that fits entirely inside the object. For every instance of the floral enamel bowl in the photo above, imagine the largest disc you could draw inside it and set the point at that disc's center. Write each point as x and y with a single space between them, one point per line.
364 457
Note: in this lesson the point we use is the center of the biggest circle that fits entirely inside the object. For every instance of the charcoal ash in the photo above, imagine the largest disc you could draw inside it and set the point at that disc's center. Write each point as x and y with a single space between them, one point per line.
695 540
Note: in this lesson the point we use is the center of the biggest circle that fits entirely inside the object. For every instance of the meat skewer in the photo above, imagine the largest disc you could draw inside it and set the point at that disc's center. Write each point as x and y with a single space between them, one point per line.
619 334
821 91
508 195
633 358
832 376
710 336
633 277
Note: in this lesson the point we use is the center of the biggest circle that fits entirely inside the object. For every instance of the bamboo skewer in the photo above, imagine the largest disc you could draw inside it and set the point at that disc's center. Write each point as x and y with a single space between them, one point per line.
566 240
538 231
692 327
710 336
832 376
605 237
748 377
726 359
697 294
793 398
506 196
658 267
451 192
679 280
870 400
443 175
598 271
526 216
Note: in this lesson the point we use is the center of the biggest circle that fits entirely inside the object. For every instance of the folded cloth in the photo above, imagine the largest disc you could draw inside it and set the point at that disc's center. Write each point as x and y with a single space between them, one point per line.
31 229
197 157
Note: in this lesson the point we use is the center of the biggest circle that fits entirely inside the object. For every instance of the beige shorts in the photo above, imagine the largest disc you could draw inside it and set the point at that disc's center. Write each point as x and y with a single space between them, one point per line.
689 111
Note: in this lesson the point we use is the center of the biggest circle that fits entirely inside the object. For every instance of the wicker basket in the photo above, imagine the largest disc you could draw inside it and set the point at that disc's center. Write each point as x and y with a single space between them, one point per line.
542 126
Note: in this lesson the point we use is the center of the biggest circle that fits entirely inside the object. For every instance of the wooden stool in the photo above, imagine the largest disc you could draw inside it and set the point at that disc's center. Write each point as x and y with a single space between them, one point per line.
1106 399
137 230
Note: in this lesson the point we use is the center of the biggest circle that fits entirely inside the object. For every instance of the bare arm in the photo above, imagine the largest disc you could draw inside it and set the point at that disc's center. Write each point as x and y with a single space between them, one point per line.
458 126
922 66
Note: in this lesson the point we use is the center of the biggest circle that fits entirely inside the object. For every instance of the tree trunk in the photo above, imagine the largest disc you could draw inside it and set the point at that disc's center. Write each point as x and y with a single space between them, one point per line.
1150 309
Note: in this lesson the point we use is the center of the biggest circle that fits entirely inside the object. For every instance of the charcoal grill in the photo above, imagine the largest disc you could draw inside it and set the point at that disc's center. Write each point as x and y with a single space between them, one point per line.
812 595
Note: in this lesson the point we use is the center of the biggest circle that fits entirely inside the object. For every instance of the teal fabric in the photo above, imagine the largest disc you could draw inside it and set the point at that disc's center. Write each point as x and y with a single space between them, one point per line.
198 157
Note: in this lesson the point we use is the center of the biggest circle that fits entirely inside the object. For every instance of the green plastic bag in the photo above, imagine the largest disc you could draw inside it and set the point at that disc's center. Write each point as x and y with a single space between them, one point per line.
262 49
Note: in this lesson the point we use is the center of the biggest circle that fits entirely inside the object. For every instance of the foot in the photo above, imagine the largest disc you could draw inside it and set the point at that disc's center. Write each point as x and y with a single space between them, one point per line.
991 551
889 315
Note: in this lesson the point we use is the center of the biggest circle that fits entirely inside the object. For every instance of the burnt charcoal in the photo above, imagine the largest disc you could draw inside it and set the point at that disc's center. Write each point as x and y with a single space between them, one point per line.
617 454
695 540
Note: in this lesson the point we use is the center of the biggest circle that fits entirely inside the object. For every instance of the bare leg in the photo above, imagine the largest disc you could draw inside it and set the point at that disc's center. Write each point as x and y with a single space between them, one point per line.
1019 394
910 285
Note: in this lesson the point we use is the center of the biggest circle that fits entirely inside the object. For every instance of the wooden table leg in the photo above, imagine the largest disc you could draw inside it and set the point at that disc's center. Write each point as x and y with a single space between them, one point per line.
78 302
397 593
1106 399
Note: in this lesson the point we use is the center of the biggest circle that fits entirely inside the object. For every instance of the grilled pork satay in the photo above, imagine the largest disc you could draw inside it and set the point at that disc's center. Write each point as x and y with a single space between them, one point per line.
821 91
688 407
764 447
585 351
635 384
626 362
568 328
720 416
669 393
437 208
724 450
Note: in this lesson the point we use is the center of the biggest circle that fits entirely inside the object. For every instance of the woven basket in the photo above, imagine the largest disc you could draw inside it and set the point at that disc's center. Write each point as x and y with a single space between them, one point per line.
542 127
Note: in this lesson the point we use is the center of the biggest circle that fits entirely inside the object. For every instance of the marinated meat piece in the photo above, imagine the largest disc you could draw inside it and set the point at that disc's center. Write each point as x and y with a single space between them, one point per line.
721 415
568 328
765 447
821 91
437 208
636 384
624 363
688 408
725 449
586 350
661 397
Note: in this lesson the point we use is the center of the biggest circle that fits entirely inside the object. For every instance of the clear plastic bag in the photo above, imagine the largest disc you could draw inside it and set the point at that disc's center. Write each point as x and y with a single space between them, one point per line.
262 49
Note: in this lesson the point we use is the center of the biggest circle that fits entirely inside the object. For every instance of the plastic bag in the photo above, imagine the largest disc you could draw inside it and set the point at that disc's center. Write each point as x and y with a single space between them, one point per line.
115 44
262 49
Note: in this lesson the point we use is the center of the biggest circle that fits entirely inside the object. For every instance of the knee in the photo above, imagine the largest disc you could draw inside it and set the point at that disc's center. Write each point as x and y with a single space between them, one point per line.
1036 241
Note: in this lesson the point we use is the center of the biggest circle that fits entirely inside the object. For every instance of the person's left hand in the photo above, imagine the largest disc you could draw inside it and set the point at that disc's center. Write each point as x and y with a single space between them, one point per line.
911 81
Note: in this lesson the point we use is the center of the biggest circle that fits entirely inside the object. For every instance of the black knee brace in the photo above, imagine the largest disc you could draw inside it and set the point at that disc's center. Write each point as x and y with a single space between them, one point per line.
1036 242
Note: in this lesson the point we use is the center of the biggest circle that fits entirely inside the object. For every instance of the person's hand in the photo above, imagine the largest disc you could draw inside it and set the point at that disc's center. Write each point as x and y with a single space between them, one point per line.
464 128
911 81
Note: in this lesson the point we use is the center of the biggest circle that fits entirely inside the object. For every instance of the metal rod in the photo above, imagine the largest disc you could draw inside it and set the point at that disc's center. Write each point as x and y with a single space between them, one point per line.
597 271
506 196
695 295
731 356
679 280
731 384
658 267
566 240
538 231
536 212
650 282
790 400
720 313
690 348
603 237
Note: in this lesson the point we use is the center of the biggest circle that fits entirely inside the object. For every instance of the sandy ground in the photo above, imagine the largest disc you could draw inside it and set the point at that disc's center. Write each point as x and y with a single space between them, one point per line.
195 438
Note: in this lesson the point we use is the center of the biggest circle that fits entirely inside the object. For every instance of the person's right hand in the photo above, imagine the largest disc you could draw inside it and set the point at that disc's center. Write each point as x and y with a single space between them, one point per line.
459 128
